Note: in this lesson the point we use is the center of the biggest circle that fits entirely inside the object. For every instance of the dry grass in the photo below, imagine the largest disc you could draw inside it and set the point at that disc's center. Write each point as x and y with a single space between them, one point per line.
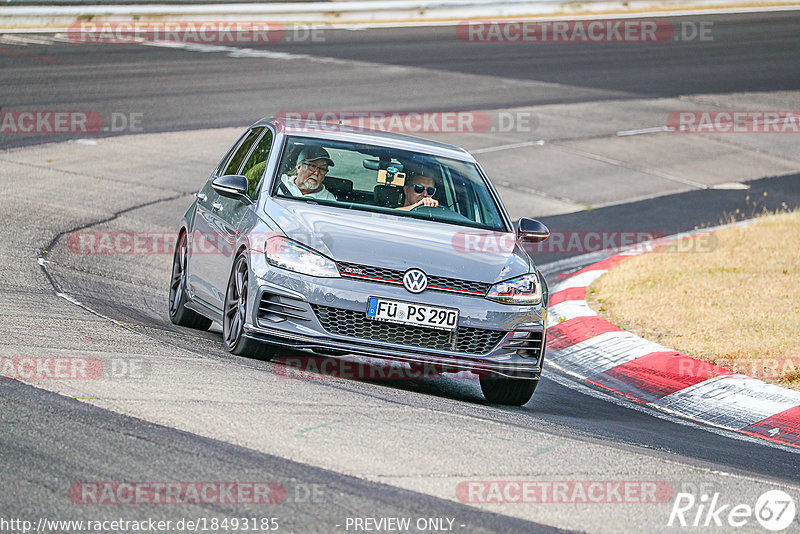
737 306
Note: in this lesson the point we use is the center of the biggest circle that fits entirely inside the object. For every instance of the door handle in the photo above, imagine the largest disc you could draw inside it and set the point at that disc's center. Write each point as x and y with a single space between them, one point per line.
201 196
217 206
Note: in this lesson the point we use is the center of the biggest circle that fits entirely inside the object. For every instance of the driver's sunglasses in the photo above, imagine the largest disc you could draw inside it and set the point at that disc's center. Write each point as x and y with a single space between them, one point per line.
316 168
419 188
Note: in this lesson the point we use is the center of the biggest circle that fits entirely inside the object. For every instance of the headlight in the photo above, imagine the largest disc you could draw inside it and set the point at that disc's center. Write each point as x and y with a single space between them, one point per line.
292 256
525 289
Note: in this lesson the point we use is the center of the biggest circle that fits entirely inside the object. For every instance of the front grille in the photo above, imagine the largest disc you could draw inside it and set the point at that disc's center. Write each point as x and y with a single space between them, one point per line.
394 276
356 324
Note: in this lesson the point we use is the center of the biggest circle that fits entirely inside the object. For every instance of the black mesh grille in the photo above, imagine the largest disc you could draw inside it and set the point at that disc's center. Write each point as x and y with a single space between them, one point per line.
393 275
463 285
373 272
356 324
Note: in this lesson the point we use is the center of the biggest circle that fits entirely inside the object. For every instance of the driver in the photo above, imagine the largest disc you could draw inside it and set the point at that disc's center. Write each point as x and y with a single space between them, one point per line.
419 191
308 175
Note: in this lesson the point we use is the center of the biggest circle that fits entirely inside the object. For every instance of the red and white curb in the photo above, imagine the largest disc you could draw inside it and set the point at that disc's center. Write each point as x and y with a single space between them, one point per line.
591 348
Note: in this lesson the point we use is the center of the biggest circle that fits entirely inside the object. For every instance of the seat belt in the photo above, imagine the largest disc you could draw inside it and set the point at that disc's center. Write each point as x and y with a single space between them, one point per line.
284 190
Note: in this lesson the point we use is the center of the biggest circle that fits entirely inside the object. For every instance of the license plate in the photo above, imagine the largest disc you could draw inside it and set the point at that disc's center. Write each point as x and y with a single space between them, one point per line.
395 311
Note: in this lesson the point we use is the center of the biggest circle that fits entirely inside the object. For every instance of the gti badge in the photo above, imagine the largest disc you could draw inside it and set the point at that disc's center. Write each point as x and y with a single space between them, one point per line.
415 281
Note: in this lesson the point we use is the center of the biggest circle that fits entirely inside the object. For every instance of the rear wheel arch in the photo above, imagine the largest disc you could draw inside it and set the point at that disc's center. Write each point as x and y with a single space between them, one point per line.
179 314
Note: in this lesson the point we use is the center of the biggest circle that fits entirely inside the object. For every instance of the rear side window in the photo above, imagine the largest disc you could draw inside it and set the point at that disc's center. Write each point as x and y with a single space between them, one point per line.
241 152
224 161
256 164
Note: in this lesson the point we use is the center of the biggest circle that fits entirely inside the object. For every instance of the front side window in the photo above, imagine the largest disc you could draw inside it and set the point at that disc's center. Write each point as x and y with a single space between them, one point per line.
256 164
375 178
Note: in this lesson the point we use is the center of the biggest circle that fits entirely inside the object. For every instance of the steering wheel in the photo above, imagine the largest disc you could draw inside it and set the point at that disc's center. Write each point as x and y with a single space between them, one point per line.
431 209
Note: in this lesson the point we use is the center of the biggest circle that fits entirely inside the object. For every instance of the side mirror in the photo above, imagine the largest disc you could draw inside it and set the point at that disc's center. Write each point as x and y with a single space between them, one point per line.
232 186
532 231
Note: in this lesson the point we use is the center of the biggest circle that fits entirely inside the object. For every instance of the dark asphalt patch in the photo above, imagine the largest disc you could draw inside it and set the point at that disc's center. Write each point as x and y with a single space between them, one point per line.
672 214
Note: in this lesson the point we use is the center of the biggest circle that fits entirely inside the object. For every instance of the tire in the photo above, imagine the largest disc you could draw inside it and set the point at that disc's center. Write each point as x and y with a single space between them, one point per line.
179 314
234 316
509 391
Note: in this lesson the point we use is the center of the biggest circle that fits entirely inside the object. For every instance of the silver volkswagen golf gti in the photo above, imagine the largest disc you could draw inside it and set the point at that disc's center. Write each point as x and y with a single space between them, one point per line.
341 240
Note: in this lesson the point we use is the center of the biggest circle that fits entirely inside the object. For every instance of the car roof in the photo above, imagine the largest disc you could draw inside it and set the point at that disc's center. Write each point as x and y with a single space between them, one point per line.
345 132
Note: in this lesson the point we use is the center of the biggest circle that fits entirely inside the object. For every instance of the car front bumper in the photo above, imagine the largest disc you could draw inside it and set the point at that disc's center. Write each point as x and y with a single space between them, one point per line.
289 309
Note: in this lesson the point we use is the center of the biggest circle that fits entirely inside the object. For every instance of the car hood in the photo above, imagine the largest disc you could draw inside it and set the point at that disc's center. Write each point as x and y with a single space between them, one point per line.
393 242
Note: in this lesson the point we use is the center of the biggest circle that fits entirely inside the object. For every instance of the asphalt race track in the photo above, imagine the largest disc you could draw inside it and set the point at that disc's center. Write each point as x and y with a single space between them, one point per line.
181 409
178 91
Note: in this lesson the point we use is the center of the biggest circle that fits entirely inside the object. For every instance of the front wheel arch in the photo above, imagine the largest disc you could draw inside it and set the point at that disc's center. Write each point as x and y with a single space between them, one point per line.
235 312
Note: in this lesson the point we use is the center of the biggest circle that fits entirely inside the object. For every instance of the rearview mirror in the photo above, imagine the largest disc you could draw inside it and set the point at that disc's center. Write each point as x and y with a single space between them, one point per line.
232 186
532 231
372 164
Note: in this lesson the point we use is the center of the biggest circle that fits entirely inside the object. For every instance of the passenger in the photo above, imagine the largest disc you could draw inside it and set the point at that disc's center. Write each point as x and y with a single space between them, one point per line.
419 189
307 176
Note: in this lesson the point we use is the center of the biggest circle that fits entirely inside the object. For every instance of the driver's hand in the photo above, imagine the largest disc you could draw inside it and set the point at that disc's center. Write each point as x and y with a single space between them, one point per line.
426 201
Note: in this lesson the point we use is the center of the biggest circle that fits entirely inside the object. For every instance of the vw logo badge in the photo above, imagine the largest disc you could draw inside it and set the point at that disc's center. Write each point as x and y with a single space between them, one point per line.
415 281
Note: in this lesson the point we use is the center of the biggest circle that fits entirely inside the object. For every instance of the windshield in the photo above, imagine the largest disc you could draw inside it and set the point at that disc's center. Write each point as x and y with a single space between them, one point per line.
374 178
